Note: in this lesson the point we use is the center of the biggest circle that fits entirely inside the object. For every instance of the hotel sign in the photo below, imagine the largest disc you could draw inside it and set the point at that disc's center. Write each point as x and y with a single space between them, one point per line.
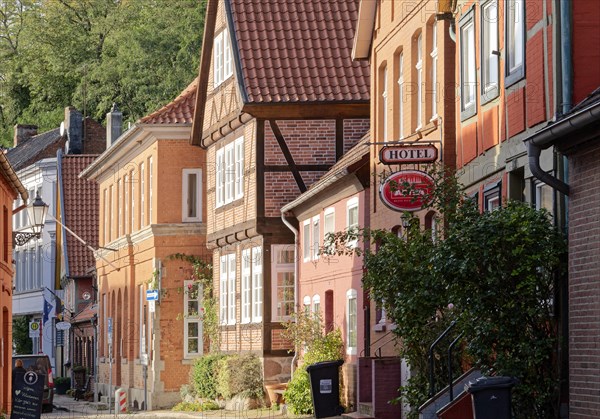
399 154
406 190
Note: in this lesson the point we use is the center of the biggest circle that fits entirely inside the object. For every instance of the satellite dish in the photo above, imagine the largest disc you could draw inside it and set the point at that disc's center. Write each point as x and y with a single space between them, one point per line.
62 128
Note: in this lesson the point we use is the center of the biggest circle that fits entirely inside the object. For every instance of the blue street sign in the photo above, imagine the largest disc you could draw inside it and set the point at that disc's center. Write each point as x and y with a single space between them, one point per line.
151 295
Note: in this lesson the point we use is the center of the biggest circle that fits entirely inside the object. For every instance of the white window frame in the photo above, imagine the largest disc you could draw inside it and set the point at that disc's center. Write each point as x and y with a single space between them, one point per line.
384 104
106 216
276 268
150 174
419 69
229 168
223 284
351 322
126 186
434 63
401 95
222 58
306 303
192 318
316 237
239 168
186 173
257 285
351 205
231 300
306 240
328 226
316 305
468 70
246 286
220 178
490 55
132 192
514 41
142 195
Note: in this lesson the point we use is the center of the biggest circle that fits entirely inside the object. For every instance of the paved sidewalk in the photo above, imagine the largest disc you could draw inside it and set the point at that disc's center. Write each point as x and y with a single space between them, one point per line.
67 407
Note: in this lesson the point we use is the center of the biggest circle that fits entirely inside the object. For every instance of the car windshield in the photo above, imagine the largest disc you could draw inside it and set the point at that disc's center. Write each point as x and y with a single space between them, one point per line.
39 365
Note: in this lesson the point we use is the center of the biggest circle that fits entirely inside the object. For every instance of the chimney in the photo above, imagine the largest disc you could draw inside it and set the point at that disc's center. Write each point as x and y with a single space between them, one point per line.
23 132
74 130
114 125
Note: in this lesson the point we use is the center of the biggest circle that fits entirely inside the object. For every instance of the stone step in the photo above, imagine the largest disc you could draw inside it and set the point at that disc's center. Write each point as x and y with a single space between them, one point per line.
365 409
357 415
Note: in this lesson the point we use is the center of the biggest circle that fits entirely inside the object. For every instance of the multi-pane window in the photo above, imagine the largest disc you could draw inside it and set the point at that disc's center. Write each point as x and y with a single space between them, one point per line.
352 219
306 302
246 286
142 319
126 186
283 281
257 284
490 55
306 240
316 304
515 40
468 79
401 96
192 321
227 289
544 197
316 236
191 195
434 61
351 322
132 197
110 212
222 60
492 198
150 168
229 167
142 195
106 215
419 72
119 211
384 105
328 228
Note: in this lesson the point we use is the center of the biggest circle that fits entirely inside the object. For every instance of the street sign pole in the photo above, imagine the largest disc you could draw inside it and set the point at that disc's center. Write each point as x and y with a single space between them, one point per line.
110 362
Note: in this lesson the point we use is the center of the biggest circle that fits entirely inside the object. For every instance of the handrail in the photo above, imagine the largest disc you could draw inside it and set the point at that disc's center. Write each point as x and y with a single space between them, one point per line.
432 360
378 350
450 384
382 337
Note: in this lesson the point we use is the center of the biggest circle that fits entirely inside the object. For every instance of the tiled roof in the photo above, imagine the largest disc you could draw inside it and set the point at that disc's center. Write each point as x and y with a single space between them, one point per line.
80 206
179 111
86 314
26 151
298 51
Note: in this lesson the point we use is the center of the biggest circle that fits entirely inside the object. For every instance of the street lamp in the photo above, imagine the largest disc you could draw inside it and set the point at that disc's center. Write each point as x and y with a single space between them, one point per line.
36 212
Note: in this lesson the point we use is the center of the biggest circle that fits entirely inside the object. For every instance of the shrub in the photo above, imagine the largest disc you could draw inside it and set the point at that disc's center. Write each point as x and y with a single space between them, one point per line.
62 380
327 348
195 406
203 376
240 375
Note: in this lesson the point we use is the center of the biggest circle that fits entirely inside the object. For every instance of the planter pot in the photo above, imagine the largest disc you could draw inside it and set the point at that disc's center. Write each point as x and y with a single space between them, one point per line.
62 388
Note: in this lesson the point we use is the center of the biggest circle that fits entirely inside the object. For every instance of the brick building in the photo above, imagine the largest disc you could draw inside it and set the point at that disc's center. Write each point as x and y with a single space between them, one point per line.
330 285
279 102
10 188
152 206
411 53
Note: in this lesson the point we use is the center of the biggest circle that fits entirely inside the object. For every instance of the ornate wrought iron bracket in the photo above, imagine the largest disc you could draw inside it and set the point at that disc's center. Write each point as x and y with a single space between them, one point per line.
21 238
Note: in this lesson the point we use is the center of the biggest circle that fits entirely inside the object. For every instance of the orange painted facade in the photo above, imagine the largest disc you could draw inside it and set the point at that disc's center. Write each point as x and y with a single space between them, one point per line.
152 184
10 188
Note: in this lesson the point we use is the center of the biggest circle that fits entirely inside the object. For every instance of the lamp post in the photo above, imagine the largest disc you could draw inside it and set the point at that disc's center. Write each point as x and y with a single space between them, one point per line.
36 212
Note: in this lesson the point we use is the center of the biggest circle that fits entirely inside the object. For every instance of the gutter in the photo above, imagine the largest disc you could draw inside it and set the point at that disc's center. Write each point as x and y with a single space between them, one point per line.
552 134
13 178
296 253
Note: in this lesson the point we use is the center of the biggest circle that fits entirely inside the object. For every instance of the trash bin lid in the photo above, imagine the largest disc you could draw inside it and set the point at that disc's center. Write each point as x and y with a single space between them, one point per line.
486 383
325 364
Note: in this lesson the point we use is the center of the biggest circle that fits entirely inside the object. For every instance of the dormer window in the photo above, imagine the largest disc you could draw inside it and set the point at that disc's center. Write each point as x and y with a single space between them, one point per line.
222 60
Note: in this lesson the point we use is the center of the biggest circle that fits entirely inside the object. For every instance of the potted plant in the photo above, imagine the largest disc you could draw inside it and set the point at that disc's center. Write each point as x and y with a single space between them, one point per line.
62 384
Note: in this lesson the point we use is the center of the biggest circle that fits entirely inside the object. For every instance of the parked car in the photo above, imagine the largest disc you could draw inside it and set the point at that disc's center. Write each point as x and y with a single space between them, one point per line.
40 363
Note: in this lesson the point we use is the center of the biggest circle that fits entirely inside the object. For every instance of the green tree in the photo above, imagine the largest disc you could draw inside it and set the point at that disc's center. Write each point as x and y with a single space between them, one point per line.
492 273
22 343
91 53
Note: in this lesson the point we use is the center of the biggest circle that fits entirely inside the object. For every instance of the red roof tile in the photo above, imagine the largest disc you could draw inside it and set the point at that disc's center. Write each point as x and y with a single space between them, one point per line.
80 206
179 111
298 51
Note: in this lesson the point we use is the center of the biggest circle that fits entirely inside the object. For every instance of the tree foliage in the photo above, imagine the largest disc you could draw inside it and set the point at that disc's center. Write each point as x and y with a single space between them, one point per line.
22 343
91 53
491 272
